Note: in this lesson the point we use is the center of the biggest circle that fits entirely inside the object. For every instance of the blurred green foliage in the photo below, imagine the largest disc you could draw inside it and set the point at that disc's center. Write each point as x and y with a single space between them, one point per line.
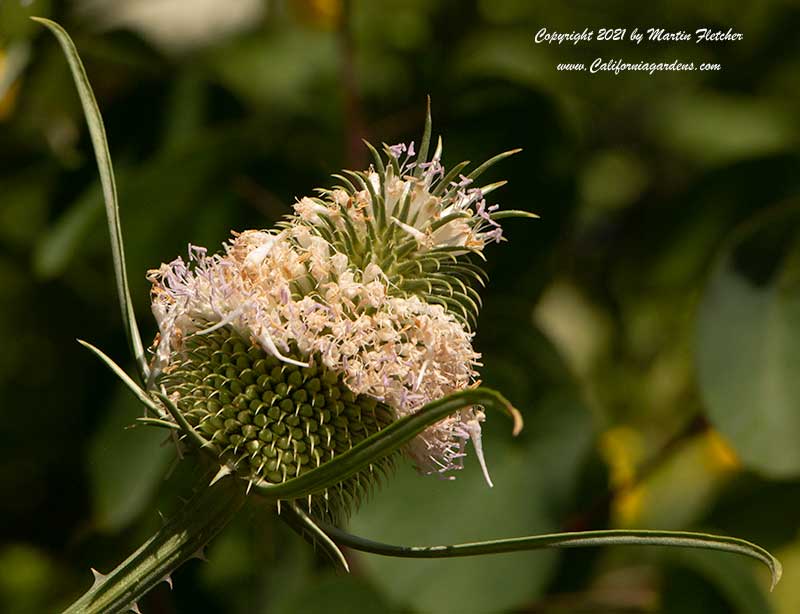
647 326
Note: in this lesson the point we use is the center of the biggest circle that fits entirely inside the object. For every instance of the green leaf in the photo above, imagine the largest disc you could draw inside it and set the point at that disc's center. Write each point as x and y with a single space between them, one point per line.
98 134
195 438
491 162
511 213
359 457
748 344
577 539
424 144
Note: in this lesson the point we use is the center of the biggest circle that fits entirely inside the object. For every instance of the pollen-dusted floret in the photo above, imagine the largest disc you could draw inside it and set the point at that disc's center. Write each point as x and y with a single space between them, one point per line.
371 281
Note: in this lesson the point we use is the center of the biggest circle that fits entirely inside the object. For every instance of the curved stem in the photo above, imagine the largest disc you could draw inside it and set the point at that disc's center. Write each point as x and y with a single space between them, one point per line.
181 538
579 539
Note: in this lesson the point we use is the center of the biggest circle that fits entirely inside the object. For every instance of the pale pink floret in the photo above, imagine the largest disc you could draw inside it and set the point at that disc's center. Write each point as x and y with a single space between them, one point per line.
291 288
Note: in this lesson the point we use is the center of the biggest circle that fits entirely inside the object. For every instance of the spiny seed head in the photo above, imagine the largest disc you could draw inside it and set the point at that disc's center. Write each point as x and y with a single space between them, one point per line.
271 420
355 312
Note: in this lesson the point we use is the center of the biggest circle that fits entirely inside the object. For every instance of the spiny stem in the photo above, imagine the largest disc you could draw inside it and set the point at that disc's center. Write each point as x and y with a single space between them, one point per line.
181 538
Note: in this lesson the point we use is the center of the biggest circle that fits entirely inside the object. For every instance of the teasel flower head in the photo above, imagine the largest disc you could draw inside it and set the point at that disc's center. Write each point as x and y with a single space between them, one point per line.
292 345
300 359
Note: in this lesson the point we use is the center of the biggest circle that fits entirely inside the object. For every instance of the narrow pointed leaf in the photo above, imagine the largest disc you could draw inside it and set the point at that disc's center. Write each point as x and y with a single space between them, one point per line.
491 187
444 184
348 186
491 162
500 215
100 144
380 168
422 155
164 424
612 537
378 204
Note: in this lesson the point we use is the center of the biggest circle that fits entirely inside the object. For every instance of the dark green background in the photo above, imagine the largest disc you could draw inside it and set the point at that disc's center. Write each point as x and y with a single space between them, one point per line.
648 326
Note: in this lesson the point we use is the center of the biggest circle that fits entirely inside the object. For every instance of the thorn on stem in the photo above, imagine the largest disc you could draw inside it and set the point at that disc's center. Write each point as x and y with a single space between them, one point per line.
98 577
200 554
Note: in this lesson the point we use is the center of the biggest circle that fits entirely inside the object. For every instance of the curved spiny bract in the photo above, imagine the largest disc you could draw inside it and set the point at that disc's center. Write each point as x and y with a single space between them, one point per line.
405 213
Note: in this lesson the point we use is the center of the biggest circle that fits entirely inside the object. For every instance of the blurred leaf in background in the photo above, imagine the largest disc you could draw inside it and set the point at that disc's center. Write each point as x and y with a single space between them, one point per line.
749 343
